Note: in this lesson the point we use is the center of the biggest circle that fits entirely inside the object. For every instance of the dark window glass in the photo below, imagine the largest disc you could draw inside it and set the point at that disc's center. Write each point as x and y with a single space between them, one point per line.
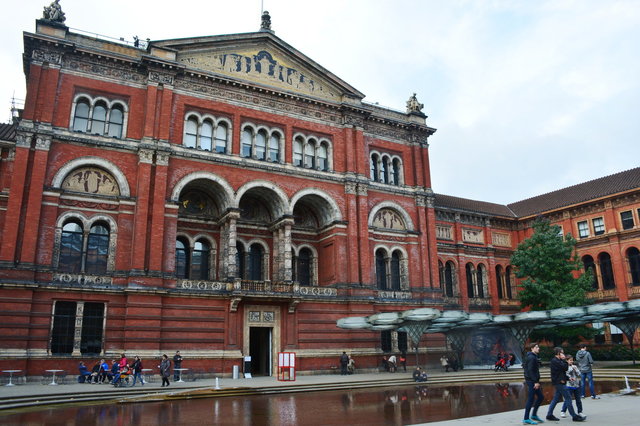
606 270
304 267
589 264
240 264
616 338
448 279
500 281
470 272
598 226
480 281
221 138
297 152
395 271
116 121
396 172
81 116
274 148
182 259
97 250
385 170
402 341
200 261
323 163
583 229
381 270
507 277
374 167
71 248
64 322
627 220
255 262
599 339
92 326
633 257
385 340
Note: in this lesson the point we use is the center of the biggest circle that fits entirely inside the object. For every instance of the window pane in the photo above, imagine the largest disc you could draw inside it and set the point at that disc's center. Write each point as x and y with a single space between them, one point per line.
92 325
200 261
221 138
97 250
190 133
297 153
633 256
64 322
304 267
261 146
81 117
583 229
627 220
470 277
381 270
247 141
206 136
598 226
448 279
71 248
589 264
606 270
116 119
274 148
395 173
323 164
395 271
385 170
374 168
255 262
240 264
309 155
181 260
98 119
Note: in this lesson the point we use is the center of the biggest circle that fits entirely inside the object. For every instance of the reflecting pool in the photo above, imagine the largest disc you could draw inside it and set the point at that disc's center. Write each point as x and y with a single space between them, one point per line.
398 405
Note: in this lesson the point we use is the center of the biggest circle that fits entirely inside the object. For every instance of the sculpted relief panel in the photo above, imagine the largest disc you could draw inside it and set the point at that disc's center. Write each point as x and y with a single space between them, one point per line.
91 180
503 240
472 235
262 67
389 219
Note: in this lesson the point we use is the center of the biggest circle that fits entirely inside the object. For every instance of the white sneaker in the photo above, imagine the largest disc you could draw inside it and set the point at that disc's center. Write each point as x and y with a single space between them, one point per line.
563 414
582 414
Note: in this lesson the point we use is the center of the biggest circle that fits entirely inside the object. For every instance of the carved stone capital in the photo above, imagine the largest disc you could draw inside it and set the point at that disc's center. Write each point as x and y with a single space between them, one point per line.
145 156
350 188
50 57
362 189
43 143
23 140
162 158
421 201
157 77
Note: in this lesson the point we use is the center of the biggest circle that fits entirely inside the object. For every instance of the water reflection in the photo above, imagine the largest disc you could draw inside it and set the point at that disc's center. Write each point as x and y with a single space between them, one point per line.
381 406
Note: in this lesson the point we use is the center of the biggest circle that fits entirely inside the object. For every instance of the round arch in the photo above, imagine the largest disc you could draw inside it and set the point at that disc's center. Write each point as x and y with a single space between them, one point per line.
107 165
394 206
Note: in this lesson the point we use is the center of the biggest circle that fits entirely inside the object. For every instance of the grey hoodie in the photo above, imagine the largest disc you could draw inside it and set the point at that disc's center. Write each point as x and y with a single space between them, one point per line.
584 361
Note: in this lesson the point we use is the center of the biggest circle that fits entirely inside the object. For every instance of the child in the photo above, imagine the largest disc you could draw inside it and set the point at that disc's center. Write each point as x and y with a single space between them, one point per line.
573 385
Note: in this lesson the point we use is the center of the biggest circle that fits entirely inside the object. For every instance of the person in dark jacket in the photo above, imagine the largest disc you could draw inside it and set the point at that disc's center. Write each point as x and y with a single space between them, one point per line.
344 362
531 368
165 370
559 367
585 362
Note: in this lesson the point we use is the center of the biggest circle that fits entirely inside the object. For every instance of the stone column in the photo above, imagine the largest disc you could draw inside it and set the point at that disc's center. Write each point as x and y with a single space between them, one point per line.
77 333
282 261
228 267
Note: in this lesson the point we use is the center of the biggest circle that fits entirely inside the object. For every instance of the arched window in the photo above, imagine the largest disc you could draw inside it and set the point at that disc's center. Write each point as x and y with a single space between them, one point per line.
395 172
384 173
274 148
381 270
240 264
221 138
71 248
206 136
441 275
200 261
395 270
304 266
507 278
500 281
247 143
182 258
191 133
97 250
81 116
470 271
480 281
589 264
261 145
297 151
633 257
116 121
99 118
309 155
323 163
606 270
255 262
374 167
449 276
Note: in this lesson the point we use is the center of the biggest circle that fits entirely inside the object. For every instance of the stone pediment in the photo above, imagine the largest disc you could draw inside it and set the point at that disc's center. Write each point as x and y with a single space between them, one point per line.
262 59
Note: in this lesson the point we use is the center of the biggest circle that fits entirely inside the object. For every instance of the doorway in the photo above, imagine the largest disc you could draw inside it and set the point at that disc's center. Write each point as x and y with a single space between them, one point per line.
260 350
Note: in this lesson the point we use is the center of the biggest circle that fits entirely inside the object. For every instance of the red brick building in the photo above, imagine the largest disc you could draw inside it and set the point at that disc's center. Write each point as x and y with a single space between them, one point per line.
226 196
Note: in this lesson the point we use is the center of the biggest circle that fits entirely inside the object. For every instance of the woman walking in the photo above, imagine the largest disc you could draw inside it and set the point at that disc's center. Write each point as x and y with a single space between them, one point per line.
165 369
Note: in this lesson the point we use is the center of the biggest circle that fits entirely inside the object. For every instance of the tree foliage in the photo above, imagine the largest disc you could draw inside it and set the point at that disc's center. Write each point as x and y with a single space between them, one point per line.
548 264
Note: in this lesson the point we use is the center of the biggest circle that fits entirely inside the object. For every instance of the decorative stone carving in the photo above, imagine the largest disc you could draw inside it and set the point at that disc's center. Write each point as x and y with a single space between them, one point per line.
384 294
96 68
266 21
43 143
389 219
413 105
421 201
23 140
91 180
503 240
254 316
444 232
157 77
83 280
268 316
50 57
54 12
472 235
362 189
350 188
145 156
317 291
162 158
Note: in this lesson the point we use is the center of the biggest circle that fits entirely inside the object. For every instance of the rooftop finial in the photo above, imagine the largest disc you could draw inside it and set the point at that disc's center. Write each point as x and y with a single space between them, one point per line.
266 22
54 12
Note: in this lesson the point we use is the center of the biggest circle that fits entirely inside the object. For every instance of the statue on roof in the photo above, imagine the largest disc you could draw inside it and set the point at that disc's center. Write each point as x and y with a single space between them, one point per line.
413 105
266 22
54 12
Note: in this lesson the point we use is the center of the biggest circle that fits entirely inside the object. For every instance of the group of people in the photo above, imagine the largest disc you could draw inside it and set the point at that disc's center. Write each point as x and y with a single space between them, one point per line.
504 361
390 364
448 363
567 378
120 369
347 364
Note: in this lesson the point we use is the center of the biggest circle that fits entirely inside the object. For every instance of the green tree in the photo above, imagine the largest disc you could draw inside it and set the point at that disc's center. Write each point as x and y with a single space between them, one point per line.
550 270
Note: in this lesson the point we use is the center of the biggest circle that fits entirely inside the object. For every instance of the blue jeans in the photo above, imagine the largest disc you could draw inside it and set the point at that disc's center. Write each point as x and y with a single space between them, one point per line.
533 393
561 392
588 375
575 393
137 376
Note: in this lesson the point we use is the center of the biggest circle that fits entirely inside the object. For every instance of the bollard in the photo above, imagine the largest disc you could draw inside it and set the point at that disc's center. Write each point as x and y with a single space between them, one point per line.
236 372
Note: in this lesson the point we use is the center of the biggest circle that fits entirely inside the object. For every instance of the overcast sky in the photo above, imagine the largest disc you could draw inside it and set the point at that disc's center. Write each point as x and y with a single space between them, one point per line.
527 96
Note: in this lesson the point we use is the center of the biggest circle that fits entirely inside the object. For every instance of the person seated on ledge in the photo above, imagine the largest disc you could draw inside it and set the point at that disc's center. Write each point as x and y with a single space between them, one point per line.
385 363
444 361
85 374
95 372
419 375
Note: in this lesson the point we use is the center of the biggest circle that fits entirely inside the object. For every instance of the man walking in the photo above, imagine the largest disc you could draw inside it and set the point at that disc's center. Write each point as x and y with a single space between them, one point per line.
531 367
559 369
585 361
